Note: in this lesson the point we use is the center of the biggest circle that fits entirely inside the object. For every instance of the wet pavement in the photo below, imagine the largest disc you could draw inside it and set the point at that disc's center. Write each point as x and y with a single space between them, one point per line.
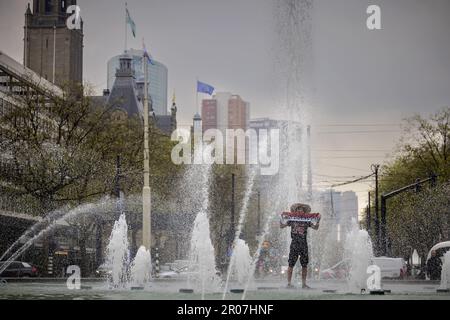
40 289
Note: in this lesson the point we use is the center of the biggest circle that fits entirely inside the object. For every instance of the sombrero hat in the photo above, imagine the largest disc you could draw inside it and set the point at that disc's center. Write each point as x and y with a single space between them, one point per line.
300 206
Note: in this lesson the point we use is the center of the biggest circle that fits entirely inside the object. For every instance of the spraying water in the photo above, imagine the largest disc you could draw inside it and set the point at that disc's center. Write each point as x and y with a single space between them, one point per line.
205 278
49 219
294 59
241 262
265 232
86 208
237 242
359 252
201 253
117 254
141 267
445 273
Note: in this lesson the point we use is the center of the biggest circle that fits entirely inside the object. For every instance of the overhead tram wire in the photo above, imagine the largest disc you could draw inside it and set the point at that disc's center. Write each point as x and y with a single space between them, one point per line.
343 167
359 125
352 157
351 150
344 184
357 132
352 181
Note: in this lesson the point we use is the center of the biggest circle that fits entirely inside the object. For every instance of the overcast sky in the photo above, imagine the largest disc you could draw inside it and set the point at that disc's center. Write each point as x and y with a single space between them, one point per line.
359 77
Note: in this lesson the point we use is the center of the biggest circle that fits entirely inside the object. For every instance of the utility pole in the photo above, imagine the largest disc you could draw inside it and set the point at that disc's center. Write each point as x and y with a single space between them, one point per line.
309 173
232 231
54 53
259 213
375 170
332 202
368 217
146 192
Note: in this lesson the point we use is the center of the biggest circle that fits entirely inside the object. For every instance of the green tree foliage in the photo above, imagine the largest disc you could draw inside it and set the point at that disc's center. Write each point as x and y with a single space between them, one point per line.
61 148
419 220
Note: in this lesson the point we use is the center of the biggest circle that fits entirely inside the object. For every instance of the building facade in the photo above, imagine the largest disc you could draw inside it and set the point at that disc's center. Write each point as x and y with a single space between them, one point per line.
51 49
344 208
225 111
126 97
158 77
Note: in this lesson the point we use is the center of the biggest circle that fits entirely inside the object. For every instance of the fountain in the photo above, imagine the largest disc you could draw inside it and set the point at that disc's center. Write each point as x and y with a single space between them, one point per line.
57 218
117 254
241 262
445 274
47 220
265 232
238 244
358 251
141 268
204 276
202 258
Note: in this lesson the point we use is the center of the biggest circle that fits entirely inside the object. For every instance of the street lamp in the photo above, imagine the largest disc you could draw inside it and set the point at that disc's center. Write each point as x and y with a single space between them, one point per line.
146 192
378 229
259 215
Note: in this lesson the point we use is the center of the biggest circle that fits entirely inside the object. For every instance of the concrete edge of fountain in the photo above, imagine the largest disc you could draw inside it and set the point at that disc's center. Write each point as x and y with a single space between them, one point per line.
49 280
443 290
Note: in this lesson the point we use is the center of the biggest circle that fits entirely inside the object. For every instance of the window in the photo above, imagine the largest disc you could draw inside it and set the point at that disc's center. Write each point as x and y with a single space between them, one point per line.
48 6
46 43
36 6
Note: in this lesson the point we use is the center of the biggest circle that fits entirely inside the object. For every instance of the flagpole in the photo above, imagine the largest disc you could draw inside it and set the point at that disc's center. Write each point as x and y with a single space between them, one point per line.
146 191
198 136
196 101
54 52
126 36
26 43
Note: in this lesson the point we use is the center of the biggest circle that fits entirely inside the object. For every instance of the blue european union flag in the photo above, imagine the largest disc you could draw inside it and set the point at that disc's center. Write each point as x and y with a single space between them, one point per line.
149 58
204 88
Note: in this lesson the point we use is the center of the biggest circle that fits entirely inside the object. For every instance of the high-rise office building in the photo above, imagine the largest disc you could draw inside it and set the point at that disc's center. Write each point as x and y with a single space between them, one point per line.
344 208
157 73
349 206
225 111
51 49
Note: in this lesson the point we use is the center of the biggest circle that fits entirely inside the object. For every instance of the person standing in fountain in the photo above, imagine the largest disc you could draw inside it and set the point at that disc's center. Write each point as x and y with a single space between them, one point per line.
299 243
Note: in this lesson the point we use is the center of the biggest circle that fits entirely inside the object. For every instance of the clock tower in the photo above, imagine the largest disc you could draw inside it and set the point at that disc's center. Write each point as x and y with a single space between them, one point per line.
50 48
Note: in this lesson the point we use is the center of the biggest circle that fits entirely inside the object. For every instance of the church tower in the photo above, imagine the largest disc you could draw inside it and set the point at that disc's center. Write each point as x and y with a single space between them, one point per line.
51 49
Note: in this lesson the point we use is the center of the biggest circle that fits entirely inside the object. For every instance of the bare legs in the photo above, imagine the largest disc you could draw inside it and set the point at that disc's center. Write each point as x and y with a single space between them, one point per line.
304 274
289 274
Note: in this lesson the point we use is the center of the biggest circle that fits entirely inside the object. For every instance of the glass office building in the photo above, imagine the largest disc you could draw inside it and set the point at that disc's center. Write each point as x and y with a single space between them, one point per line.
158 74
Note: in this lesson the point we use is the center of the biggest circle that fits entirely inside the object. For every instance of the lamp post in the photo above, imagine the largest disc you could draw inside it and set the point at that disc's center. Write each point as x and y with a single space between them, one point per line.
375 169
232 229
259 214
368 217
146 192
